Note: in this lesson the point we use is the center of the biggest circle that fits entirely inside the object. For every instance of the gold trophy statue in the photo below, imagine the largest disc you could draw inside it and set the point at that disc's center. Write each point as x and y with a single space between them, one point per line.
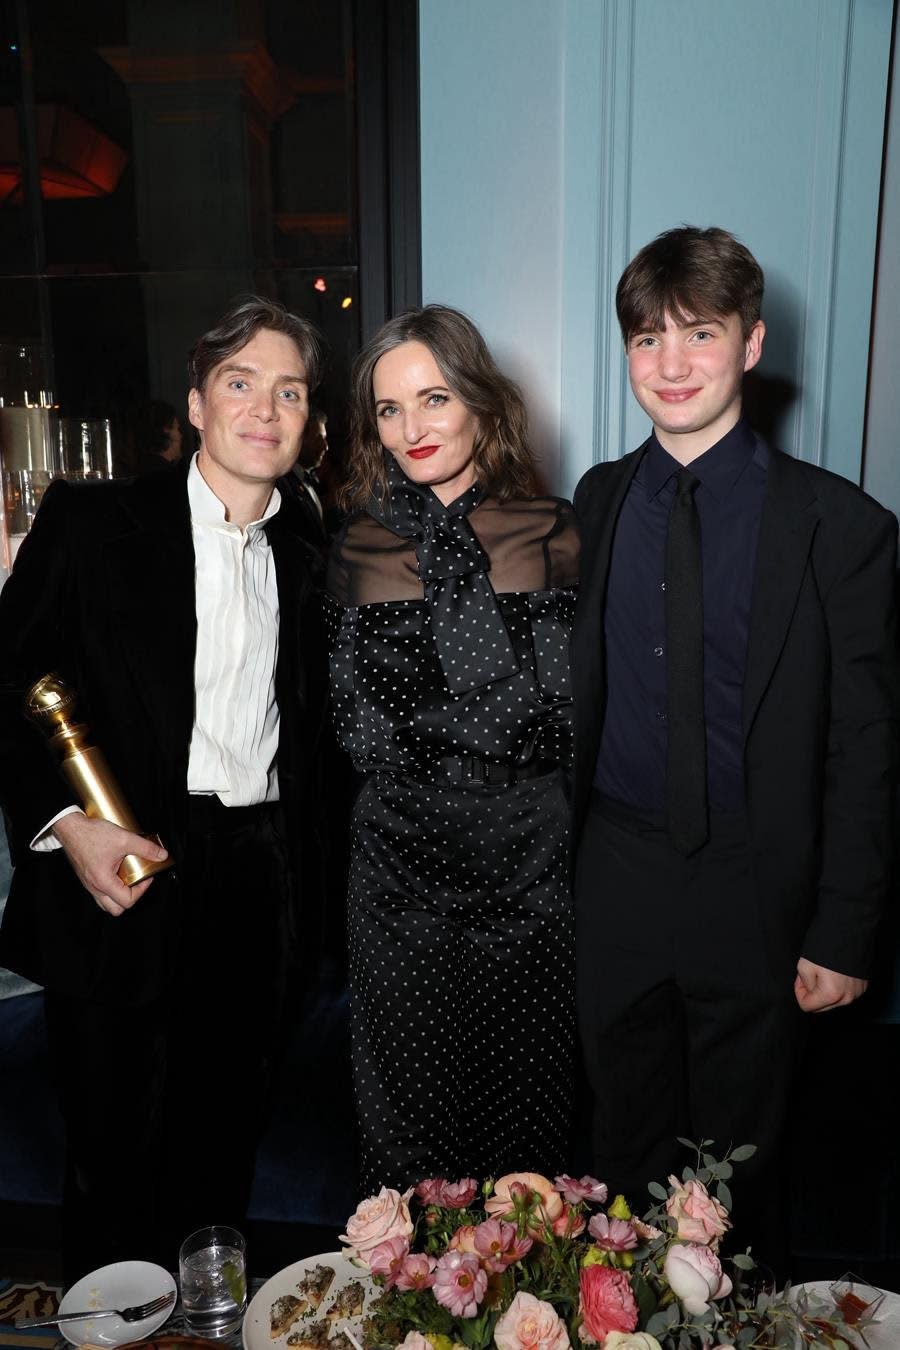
51 704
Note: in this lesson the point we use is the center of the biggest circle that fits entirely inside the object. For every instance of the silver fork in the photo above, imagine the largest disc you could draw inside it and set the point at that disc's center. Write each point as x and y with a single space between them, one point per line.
134 1314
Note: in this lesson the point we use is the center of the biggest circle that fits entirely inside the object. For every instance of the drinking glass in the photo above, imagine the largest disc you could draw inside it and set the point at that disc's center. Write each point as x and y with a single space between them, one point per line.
856 1300
213 1281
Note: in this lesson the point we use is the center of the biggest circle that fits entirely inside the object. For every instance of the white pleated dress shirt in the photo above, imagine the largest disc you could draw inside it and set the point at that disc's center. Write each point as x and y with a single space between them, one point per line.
235 736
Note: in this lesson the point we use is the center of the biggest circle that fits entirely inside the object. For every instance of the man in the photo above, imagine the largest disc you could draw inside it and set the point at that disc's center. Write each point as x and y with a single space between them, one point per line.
180 607
736 688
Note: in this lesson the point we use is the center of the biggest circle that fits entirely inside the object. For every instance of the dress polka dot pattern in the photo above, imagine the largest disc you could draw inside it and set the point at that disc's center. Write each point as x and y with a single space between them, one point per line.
460 925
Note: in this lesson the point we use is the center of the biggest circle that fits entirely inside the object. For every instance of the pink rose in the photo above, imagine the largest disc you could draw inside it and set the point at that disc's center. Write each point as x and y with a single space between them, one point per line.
588 1188
606 1304
530 1324
387 1257
429 1192
416 1271
645 1231
546 1205
459 1283
613 1235
415 1341
447 1194
463 1240
458 1194
383 1216
699 1216
497 1245
695 1276
571 1223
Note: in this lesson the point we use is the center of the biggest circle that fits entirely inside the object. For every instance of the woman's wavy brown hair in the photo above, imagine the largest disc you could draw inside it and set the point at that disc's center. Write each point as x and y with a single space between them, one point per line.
503 461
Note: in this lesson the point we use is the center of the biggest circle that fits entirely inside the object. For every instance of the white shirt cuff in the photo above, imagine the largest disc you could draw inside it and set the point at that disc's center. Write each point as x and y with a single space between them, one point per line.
44 841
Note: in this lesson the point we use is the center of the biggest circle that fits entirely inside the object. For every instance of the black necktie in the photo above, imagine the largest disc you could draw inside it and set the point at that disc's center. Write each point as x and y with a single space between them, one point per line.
686 803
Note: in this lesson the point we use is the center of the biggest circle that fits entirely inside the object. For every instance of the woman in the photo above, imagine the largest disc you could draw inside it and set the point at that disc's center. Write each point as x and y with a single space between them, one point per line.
451 596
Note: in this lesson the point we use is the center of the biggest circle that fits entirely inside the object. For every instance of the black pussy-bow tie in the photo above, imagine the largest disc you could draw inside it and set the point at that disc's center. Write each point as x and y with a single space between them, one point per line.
472 642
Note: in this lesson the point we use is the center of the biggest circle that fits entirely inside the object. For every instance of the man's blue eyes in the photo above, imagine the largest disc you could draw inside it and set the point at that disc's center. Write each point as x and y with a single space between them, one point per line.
286 395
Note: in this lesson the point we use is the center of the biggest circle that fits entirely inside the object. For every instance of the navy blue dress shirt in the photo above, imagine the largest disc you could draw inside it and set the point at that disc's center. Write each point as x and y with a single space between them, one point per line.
631 764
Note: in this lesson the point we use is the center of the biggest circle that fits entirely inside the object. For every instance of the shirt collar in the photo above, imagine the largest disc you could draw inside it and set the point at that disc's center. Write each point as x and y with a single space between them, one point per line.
206 509
718 468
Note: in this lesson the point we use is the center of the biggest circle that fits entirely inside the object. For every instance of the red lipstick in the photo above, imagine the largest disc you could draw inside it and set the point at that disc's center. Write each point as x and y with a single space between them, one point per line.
422 451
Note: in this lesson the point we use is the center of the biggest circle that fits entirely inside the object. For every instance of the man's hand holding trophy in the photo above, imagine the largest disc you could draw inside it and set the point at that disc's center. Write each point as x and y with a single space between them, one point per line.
112 857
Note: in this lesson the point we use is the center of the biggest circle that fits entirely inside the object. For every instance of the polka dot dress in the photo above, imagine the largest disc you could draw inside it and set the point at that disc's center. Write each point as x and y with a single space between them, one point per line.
460 924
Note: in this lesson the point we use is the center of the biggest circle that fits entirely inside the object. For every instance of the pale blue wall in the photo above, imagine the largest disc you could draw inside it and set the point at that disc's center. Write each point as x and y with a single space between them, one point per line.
882 462
558 137
491 132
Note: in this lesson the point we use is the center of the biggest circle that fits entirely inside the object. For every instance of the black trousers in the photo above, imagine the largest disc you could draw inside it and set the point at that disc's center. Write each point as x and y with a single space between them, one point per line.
685 1029
164 1103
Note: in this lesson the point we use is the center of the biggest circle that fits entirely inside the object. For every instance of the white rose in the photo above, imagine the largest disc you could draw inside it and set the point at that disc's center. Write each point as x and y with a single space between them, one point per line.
695 1276
630 1340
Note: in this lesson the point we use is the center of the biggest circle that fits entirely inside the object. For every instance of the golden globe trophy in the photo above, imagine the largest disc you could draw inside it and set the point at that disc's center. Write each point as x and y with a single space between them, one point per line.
51 704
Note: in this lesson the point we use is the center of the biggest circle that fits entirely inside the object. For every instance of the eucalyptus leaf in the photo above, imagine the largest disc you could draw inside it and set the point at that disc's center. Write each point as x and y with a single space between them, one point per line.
742 1261
705 1175
709 1160
657 1191
688 1174
658 1324
688 1143
724 1170
723 1195
743 1152
644 1296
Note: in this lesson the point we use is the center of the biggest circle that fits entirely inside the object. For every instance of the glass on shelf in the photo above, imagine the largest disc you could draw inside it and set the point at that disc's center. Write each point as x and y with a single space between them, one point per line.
85 447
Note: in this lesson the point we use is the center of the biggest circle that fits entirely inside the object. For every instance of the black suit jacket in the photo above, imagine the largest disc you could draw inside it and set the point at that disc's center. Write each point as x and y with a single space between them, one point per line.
820 704
103 592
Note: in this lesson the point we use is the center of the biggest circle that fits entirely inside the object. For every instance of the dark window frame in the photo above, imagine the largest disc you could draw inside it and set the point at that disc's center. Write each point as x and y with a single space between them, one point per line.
389 224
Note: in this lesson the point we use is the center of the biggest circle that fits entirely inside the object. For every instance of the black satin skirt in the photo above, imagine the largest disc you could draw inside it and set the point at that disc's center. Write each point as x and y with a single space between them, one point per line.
462 978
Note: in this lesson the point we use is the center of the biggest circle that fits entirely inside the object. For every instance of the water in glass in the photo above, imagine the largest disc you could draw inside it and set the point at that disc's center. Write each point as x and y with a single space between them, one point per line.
213 1289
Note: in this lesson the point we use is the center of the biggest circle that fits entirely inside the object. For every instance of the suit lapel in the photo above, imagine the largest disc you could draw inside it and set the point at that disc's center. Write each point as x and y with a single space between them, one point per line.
300 644
789 521
599 503
150 578
597 516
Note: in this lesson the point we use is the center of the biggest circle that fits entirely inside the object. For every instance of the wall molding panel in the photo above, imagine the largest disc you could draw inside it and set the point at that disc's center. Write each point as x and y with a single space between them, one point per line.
767 119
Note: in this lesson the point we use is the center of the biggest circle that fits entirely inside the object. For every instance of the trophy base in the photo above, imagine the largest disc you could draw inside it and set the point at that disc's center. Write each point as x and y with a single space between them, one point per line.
133 869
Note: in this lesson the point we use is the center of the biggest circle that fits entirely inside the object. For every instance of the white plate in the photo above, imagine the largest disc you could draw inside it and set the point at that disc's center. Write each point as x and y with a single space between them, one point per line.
117 1286
257 1321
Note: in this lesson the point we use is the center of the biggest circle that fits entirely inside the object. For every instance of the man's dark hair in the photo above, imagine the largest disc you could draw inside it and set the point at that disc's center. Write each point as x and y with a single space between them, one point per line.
690 274
243 321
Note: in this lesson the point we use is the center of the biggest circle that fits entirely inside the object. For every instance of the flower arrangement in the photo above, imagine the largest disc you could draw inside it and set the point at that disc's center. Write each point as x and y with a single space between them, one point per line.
523 1263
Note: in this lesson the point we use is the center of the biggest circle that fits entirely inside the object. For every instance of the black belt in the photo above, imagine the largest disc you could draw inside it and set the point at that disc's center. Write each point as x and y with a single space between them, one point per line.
472 769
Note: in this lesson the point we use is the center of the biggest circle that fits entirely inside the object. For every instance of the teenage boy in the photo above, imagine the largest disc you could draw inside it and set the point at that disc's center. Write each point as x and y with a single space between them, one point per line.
736 684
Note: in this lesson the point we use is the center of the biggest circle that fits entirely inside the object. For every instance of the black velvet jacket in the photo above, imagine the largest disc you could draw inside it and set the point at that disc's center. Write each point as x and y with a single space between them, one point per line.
103 592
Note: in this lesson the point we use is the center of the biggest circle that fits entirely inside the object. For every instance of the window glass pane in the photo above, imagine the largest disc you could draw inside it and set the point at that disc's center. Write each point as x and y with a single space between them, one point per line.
182 154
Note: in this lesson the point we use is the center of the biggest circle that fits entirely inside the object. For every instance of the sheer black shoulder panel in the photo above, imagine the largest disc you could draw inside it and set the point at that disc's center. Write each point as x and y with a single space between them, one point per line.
532 544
